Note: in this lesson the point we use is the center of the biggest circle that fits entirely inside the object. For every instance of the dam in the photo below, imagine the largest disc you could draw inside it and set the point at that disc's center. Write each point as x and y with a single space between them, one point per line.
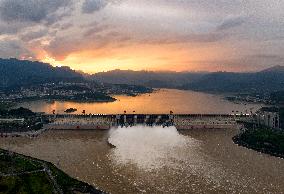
180 121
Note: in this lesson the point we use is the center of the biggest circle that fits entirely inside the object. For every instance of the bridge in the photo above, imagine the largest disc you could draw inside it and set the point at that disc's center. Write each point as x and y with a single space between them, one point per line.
181 121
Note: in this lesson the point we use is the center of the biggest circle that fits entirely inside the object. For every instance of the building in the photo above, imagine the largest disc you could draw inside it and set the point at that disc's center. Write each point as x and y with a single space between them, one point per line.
268 117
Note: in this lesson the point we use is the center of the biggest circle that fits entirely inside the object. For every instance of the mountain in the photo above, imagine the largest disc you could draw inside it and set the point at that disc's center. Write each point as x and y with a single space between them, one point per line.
268 80
17 73
276 69
147 78
278 97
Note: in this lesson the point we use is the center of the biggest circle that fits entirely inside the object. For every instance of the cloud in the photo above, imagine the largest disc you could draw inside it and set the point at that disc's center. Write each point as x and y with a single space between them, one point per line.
269 57
62 28
61 47
34 35
29 10
65 26
189 38
14 48
90 6
95 30
10 29
231 23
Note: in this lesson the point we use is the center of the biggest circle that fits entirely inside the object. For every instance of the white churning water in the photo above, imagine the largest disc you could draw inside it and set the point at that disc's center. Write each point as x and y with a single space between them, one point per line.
156 149
149 147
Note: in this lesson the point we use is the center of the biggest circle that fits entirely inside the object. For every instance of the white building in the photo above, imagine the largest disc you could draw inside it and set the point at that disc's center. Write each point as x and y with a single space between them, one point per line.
269 117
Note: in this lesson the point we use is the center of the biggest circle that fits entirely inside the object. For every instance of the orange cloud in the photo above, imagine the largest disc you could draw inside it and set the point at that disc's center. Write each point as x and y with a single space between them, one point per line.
173 57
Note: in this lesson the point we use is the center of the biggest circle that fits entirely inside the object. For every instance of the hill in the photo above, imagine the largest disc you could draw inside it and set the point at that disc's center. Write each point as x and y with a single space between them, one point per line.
278 97
268 80
23 174
147 78
17 73
277 68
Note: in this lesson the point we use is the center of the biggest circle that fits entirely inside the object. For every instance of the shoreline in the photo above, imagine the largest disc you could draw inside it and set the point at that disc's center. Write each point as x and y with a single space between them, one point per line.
57 179
51 100
63 100
108 100
237 140
29 134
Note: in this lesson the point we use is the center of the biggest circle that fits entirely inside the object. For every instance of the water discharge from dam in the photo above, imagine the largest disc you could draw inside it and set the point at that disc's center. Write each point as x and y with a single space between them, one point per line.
158 149
148 147
156 160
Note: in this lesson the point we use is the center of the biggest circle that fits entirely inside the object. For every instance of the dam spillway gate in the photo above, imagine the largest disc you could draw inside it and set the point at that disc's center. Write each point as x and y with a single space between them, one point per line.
180 121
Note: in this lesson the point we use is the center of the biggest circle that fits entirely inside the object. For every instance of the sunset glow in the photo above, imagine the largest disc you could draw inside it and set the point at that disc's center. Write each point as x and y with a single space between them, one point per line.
99 35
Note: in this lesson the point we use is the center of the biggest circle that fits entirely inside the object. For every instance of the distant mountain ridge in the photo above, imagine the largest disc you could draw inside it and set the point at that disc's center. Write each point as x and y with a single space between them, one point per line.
268 80
17 73
147 78
277 69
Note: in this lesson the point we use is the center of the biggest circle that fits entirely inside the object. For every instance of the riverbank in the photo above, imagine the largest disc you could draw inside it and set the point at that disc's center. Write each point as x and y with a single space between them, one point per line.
19 120
266 141
30 134
23 174
79 98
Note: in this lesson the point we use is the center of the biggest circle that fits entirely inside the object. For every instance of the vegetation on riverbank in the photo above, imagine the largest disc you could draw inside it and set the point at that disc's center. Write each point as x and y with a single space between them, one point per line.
277 97
23 174
19 120
128 90
86 97
263 140
6 105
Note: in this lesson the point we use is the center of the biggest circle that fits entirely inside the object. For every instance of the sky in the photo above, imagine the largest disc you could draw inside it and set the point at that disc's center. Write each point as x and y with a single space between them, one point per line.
158 35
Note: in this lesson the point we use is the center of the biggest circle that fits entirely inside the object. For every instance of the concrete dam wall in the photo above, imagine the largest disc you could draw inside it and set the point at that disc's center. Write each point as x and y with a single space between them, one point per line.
181 122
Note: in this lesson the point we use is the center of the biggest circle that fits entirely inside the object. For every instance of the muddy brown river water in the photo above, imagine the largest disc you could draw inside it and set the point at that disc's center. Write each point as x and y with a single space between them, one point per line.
148 160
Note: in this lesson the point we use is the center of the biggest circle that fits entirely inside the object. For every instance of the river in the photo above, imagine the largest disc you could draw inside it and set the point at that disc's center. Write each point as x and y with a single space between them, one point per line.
149 160
155 160
161 101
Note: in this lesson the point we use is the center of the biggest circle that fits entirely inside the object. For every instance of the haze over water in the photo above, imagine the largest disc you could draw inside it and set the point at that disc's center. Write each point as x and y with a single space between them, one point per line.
160 102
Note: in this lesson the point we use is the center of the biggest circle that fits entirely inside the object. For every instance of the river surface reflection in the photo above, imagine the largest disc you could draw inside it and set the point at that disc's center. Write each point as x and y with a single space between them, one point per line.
161 101
205 161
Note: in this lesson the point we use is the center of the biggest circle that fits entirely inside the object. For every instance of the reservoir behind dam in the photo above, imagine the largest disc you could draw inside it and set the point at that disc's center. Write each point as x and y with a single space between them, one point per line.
159 102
